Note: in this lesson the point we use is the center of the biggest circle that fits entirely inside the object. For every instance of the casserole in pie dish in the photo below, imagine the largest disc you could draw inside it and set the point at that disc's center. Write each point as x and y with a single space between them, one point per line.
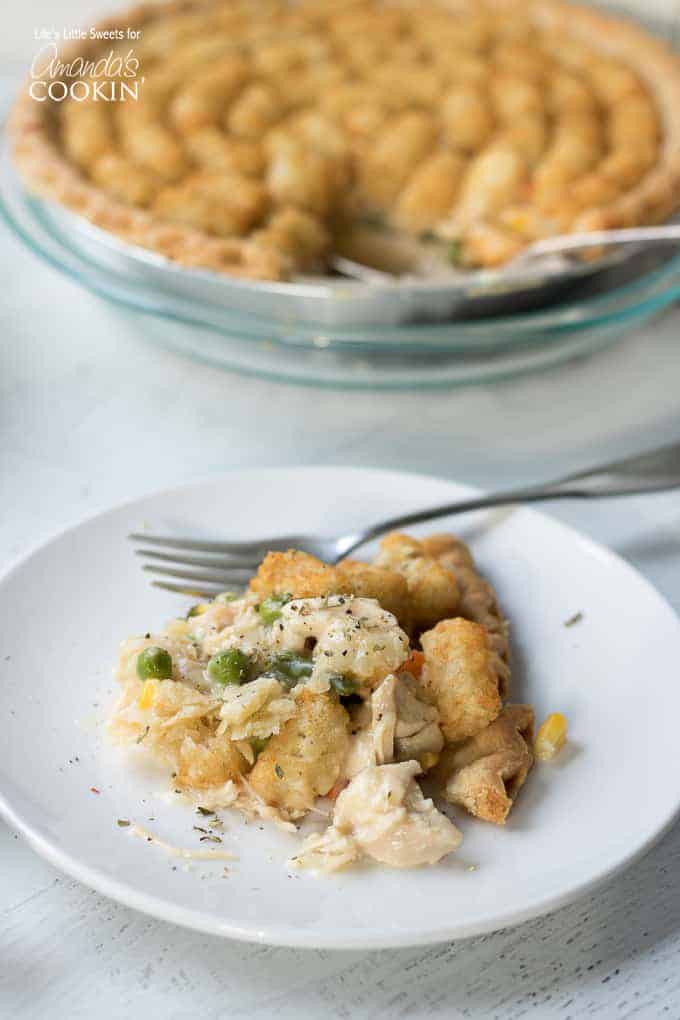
264 133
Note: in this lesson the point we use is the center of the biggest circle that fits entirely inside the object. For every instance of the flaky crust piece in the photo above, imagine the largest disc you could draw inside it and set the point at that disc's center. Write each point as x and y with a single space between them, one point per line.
485 773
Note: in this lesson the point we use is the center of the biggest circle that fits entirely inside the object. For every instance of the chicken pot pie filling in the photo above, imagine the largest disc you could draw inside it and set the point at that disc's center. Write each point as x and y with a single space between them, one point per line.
303 688
266 134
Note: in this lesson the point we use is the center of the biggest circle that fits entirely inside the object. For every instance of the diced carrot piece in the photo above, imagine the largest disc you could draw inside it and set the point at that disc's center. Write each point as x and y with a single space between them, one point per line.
414 664
337 789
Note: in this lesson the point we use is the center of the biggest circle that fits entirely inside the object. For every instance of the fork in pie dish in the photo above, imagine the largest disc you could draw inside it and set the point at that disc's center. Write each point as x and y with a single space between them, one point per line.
342 686
268 134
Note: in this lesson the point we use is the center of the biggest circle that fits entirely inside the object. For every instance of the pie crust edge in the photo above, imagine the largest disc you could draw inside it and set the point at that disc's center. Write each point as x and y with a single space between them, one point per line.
51 175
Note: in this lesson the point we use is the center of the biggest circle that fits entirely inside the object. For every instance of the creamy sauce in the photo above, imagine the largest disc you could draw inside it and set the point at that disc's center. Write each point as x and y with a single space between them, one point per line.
349 636
199 854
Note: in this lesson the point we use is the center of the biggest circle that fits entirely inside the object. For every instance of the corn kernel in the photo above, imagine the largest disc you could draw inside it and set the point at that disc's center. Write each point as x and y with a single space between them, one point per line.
516 221
148 695
198 609
551 736
428 760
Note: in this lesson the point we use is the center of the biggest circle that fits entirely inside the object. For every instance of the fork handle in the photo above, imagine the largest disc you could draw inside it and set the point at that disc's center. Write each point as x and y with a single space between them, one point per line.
620 479
529 495
562 245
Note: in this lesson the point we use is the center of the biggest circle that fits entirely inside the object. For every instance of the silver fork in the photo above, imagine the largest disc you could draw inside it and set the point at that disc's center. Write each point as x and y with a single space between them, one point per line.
220 565
565 244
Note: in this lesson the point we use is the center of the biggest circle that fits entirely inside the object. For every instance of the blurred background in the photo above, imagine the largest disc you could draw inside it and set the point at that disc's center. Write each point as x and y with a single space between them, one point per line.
17 45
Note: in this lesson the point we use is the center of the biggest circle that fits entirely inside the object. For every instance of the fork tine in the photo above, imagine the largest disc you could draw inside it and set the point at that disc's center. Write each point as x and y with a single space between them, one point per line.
181 589
238 575
256 549
198 561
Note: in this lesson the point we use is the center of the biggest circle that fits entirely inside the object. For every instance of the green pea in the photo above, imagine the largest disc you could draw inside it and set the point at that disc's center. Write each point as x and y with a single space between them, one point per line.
229 667
270 608
343 685
154 662
225 597
289 666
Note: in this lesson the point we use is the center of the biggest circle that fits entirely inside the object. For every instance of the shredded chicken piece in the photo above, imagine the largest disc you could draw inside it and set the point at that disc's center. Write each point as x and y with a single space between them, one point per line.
361 752
384 811
326 851
404 727
384 720
418 734
485 773
255 710
382 815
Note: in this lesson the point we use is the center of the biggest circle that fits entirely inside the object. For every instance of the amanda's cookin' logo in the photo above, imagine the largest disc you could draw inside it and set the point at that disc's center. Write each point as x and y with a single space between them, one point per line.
110 78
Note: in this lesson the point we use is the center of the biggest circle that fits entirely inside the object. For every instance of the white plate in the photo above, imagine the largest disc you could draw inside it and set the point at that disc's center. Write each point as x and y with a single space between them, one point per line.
608 797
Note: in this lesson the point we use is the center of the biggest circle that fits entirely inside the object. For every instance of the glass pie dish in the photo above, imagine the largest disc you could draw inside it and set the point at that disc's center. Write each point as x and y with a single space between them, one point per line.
434 354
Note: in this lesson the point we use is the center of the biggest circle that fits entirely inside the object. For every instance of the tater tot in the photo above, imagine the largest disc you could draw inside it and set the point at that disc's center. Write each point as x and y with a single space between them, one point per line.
387 586
254 111
209 763
303 761
493 179
396 153
478 601
201 102
430 192
468 121
433 591
460 678
298 574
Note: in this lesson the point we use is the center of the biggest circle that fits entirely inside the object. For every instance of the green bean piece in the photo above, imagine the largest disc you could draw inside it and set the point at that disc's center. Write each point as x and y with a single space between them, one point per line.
289 668
343 685
270 608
